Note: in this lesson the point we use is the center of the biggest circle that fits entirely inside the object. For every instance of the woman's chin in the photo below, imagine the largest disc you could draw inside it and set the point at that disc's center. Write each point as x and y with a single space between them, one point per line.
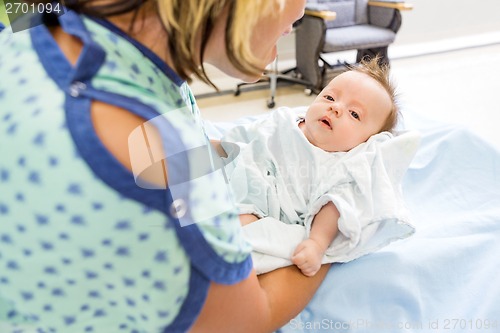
253 79
249 78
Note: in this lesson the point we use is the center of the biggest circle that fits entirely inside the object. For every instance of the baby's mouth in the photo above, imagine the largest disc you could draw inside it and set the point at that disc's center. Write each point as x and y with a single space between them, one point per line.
326 122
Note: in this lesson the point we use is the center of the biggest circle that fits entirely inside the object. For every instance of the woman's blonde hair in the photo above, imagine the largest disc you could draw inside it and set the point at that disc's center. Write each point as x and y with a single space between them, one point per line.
184 19
379 71
189 22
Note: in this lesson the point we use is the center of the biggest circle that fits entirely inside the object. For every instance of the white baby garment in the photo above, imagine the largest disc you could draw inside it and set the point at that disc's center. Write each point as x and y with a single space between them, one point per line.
278 175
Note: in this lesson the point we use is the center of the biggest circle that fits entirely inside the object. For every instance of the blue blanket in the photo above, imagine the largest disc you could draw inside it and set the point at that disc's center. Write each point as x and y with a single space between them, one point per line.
445 277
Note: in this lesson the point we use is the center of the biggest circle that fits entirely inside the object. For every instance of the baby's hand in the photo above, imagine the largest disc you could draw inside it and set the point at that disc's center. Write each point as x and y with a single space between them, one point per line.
307 257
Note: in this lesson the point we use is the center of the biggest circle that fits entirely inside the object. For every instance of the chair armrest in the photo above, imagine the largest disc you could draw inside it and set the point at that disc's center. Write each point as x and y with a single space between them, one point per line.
394 4
317 10
326 15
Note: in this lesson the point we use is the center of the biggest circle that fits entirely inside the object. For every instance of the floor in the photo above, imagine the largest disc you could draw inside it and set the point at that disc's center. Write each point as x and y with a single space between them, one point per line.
460 87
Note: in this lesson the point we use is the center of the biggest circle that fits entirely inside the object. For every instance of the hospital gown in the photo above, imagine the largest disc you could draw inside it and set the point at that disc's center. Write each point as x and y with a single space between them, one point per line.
84 246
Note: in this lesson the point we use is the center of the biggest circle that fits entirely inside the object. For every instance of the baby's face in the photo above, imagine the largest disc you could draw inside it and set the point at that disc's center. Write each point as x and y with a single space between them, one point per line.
350 109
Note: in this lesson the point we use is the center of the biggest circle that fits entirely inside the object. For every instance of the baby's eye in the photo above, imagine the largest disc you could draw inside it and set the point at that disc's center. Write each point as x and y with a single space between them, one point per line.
354 114
330 98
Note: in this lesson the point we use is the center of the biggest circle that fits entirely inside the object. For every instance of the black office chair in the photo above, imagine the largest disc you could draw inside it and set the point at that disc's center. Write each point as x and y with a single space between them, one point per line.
366 26
272 77
332 26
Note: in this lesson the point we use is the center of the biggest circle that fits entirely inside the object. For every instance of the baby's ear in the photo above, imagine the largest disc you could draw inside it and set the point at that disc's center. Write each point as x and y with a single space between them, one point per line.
398 152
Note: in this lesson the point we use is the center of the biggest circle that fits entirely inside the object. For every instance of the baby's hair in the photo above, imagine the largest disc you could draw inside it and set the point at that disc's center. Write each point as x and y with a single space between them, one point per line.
374 68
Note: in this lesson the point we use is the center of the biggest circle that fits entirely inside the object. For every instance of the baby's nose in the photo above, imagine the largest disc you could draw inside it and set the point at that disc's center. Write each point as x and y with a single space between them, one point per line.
336 110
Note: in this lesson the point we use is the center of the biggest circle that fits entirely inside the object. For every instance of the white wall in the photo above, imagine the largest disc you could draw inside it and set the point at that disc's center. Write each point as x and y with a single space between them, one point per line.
432 20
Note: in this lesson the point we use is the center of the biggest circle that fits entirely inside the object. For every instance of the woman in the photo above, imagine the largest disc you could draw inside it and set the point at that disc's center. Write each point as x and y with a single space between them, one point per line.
91 241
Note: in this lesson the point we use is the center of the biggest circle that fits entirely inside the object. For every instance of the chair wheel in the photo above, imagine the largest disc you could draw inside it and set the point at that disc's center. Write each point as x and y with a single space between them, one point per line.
237 92
271 104
308 91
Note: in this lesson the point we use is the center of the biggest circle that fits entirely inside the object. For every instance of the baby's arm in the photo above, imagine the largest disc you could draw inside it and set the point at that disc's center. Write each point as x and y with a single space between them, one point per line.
247 219
308 253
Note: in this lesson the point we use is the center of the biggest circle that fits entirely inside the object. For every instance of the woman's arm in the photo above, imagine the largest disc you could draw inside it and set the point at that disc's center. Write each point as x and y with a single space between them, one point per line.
258 304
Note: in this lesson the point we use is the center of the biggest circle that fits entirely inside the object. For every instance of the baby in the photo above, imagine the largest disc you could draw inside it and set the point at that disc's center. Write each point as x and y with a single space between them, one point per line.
351 108
285 173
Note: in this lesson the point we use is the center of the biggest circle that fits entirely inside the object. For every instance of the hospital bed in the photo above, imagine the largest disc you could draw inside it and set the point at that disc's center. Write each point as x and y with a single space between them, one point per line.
445 277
